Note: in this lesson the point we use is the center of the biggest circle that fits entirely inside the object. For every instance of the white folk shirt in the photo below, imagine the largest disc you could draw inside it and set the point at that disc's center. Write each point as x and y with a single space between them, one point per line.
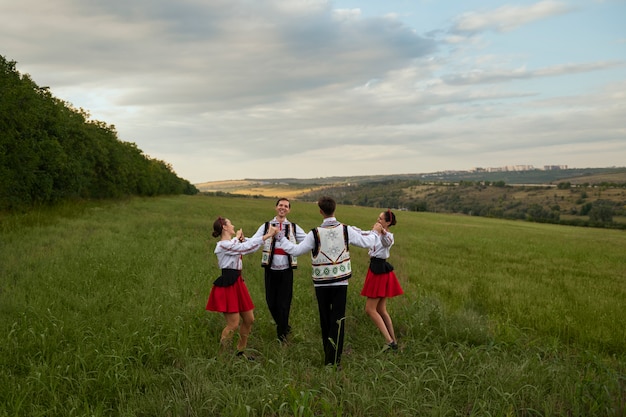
229 252
280 262
382 246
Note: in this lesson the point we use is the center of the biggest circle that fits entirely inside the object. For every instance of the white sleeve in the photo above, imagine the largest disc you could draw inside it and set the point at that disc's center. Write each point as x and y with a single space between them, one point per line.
260 231
235 247
360 238
307 245
386 239
300 234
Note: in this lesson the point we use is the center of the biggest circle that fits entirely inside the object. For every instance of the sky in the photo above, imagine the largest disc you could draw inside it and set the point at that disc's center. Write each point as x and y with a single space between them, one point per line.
238 89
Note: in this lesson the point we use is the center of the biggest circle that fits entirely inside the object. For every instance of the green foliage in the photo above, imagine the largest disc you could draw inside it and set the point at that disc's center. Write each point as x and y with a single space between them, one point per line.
50 152
601 212
538 213
540 203
102 313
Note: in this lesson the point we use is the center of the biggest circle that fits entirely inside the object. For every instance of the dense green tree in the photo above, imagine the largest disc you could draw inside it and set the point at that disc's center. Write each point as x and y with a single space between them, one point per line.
601 212
50 151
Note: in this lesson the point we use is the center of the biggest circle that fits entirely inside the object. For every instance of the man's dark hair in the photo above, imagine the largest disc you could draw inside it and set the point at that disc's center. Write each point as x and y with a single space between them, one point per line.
283 199
327 205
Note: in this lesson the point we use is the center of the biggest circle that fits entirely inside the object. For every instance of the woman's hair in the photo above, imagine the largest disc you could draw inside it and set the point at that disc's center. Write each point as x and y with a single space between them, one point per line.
390 217
218 225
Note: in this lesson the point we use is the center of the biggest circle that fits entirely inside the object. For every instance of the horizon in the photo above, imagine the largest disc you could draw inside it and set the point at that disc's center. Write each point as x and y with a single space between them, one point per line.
399 174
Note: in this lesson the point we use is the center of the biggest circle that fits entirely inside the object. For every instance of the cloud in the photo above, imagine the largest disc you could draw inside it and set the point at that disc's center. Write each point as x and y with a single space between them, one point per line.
508 17
499 76
231 89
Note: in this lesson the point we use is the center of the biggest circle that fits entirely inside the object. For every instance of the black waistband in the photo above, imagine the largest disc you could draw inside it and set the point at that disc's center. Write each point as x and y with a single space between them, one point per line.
228 277
380 266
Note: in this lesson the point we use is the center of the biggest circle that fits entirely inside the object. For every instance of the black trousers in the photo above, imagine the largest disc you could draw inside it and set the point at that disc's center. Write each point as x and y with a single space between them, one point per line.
278 295
331 302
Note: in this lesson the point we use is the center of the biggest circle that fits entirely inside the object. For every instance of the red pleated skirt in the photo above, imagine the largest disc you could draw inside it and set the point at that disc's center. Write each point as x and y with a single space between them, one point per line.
232 299
381 285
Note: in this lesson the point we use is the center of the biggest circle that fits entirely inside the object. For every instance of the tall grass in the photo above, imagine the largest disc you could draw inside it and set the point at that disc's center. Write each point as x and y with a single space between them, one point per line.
102 313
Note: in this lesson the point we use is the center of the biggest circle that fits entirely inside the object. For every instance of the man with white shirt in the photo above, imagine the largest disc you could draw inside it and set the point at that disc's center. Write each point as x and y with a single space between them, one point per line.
330 257
279 267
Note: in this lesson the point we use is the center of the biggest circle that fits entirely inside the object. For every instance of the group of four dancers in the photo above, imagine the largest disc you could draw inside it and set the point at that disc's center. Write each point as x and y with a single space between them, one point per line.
282 242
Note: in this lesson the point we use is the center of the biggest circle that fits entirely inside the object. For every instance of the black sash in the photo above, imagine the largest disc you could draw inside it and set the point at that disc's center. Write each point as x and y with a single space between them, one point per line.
380 266
228 278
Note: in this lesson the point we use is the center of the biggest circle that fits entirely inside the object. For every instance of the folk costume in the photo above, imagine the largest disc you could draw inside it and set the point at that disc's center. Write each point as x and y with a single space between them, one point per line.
330 258
381 280
279 266
229 293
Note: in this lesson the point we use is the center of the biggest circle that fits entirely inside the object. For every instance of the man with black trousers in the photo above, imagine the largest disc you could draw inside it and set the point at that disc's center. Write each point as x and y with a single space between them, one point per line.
279 267
330 257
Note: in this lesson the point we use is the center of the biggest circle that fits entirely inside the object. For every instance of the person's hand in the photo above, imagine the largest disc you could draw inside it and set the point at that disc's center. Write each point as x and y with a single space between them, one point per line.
240 235
271 231
380 228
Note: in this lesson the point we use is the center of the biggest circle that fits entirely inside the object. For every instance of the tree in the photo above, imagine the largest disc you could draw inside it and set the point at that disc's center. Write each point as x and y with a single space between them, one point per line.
601 212
50 151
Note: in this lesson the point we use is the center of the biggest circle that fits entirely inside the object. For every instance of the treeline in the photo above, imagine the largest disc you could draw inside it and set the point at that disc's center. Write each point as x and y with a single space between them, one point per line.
474 198
51 152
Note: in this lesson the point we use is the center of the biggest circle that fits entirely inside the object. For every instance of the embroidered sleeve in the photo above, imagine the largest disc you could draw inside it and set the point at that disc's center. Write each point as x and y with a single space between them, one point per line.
360 238
386 239
235 247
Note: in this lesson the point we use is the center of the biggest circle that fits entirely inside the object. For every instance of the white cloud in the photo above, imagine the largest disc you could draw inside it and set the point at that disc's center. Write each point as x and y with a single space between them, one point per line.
231 89
508 17
481 76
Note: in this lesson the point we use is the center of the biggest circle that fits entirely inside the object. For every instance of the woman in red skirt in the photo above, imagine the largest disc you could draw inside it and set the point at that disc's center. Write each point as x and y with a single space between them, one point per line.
381 282
229 294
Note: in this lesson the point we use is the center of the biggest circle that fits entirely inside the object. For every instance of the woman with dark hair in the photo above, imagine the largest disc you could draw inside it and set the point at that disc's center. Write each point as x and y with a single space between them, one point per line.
381 282
229 294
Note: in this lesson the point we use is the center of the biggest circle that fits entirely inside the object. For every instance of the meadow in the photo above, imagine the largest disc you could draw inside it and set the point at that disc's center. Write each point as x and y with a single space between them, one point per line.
102 314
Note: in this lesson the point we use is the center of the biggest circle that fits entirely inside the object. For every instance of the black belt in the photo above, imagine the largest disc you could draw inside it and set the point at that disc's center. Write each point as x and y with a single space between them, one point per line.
228 277
380 266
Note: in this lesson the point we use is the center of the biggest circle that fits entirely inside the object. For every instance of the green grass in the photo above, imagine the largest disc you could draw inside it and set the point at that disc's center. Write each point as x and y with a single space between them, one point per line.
102 313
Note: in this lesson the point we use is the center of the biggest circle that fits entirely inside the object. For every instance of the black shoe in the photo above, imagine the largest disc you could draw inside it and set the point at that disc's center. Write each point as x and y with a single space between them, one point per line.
333 366
242 355
391 346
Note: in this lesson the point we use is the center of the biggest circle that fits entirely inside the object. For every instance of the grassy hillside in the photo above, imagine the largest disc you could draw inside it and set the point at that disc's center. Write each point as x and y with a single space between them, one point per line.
102 312
268 186
561 196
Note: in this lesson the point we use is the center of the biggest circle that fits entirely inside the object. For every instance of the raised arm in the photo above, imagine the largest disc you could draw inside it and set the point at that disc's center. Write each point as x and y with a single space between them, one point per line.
236 247
306 245
361 238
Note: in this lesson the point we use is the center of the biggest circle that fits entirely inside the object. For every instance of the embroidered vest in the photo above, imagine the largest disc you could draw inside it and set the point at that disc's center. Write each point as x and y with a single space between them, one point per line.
269 244
330 257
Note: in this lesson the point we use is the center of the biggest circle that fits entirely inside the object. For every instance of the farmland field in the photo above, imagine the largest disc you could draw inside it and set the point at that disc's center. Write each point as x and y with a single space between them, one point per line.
102 313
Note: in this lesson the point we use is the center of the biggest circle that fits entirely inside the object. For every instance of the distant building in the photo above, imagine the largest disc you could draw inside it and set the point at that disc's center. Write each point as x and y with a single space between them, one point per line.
554 167
509 168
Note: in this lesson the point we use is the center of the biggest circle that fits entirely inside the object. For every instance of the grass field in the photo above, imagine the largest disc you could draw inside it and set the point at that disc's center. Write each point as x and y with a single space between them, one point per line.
102 314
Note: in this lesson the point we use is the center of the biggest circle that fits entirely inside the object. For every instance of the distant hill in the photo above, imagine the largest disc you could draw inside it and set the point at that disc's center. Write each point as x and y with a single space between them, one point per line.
270 186
585 197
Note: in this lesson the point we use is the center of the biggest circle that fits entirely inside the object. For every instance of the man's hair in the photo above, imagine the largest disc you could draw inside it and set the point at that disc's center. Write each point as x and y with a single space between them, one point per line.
327 205
283 199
